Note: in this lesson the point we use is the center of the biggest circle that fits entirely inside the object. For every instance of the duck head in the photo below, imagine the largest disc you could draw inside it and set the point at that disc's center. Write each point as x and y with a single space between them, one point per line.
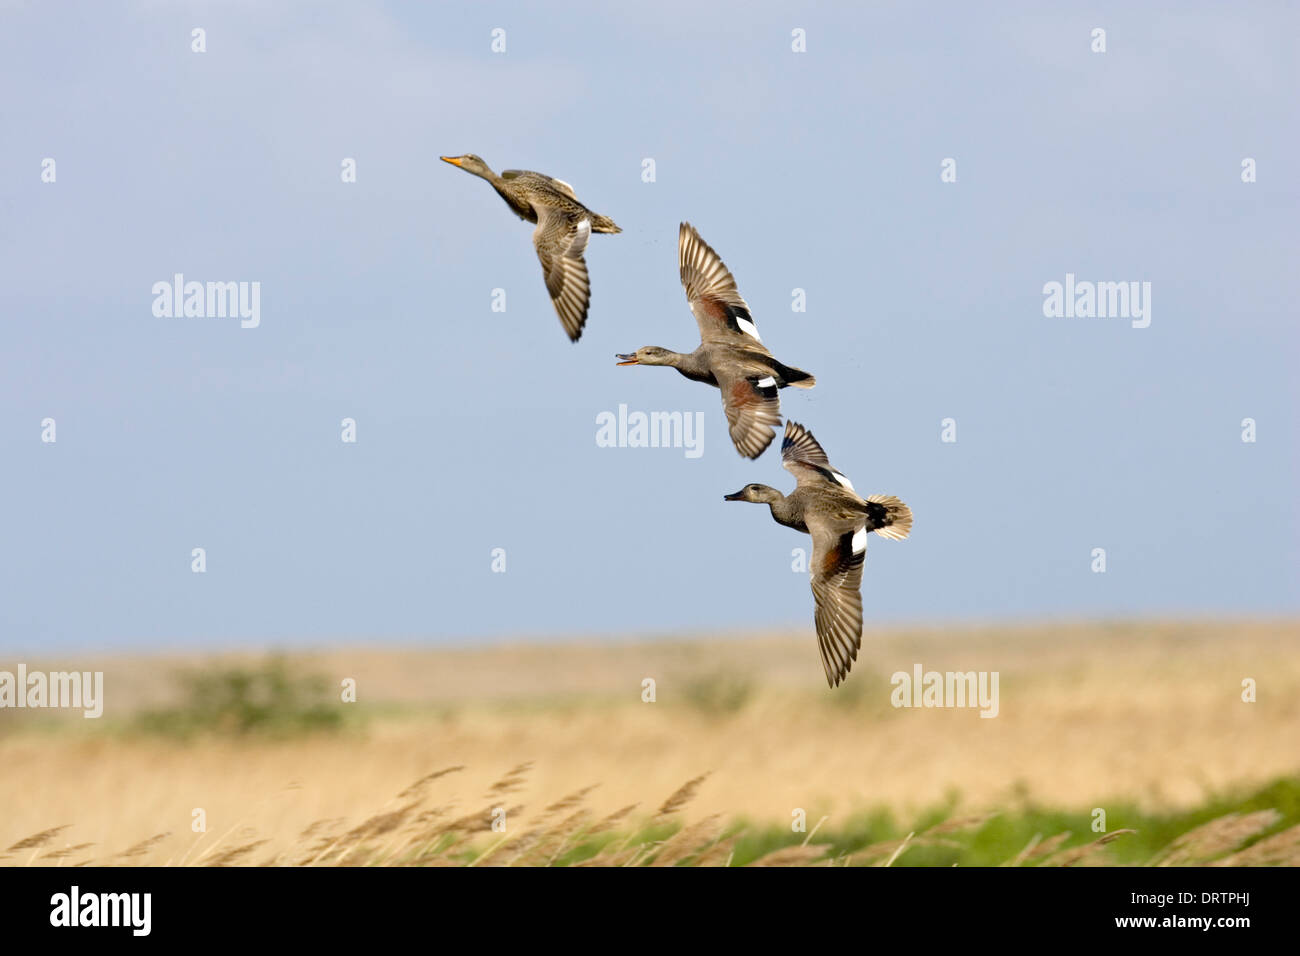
758 494
470 163
650 355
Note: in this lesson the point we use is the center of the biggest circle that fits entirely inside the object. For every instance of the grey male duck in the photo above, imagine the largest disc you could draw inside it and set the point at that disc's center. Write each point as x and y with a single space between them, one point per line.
563 227
731 356
825 506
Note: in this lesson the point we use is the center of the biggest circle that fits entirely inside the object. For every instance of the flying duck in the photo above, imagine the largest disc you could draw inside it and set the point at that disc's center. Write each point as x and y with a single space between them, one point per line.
563 227
731 356
825 506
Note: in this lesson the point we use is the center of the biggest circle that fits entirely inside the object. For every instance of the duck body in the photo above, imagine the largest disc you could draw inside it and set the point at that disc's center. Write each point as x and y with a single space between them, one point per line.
563 227
525 192
841 506
731 355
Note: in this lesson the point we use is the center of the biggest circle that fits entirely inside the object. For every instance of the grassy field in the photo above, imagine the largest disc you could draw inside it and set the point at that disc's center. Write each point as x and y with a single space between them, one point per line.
1144 721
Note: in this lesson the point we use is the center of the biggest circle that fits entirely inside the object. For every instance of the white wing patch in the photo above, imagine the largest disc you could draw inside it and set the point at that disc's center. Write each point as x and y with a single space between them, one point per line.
842 480
565 187
579 244
749 328
766 382
860 540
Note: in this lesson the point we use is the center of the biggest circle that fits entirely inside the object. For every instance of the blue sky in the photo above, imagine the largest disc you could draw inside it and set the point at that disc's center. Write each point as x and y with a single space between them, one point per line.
476 429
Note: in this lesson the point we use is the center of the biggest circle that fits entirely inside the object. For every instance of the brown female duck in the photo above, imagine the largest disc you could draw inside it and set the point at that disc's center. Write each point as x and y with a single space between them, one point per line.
563 227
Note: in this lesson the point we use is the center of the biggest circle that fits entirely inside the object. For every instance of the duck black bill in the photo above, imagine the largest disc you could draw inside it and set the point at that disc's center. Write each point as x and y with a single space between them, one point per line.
626 359
735 496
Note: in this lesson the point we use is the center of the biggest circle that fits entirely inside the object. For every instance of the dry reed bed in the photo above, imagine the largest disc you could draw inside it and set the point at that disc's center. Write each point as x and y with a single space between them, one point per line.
1148 713
414 829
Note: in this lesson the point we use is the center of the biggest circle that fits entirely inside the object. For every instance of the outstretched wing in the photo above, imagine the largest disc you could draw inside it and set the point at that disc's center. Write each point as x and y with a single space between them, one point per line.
720 312
803 457
837 590
753 410
561 240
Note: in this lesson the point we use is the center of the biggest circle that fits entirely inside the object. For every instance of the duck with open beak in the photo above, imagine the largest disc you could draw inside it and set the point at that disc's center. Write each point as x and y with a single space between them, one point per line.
731 357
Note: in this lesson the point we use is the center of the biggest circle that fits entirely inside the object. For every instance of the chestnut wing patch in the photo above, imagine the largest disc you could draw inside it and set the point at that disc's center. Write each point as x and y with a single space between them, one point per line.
837 591
720 311
753 410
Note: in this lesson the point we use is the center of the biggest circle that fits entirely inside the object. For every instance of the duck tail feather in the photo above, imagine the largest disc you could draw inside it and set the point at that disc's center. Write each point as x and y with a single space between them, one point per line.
888 517
796 377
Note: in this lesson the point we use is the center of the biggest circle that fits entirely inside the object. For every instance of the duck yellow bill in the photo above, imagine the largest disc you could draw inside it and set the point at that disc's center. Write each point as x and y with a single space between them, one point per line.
454 160
626 359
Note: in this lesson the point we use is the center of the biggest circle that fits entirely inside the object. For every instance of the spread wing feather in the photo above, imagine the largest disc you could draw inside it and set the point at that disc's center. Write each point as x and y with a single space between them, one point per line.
561 241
